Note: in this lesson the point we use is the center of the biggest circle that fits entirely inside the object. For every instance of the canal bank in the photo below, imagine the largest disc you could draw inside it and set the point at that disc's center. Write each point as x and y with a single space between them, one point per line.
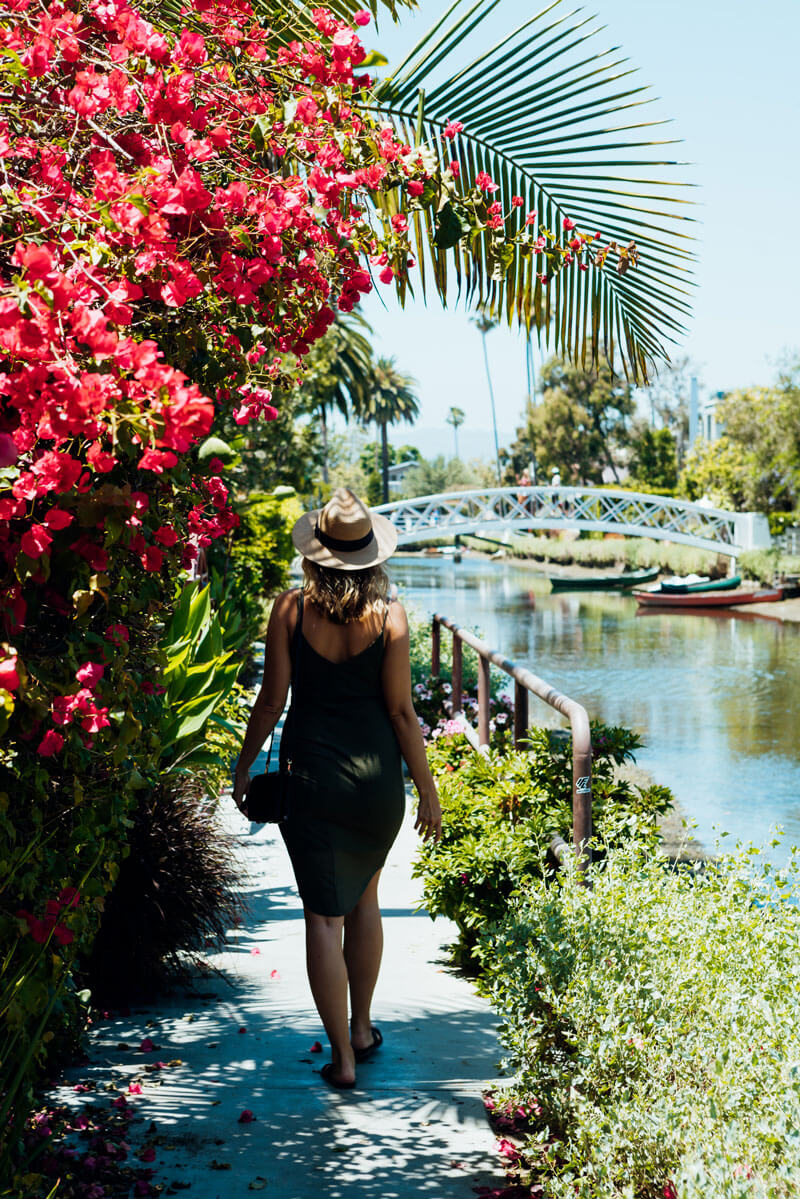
710 695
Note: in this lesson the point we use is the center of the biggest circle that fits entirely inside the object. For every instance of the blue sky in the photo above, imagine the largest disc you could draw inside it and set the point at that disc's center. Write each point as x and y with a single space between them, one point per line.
727 74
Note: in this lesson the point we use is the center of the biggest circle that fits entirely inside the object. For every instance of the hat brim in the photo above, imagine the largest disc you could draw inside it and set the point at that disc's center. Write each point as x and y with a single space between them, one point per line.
382 546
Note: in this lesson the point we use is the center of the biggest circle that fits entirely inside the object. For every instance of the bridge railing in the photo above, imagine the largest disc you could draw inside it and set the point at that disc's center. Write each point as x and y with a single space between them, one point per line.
525 683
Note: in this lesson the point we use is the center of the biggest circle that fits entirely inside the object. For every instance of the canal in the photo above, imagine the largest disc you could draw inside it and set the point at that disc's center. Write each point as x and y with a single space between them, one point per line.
711 695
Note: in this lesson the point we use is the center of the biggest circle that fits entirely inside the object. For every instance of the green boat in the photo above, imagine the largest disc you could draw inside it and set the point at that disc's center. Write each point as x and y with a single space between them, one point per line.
604 582
706 585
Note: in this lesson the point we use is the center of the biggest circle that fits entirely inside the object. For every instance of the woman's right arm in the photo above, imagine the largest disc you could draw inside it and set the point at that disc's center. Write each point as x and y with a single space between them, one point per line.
396 683
271 698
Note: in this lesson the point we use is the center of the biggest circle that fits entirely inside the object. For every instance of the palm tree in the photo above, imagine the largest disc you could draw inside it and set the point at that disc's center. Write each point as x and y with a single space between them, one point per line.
339 367
485 325
456 417
387 398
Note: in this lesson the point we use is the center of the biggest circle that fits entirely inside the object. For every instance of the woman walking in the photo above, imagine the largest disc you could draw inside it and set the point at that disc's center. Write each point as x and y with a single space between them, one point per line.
350 722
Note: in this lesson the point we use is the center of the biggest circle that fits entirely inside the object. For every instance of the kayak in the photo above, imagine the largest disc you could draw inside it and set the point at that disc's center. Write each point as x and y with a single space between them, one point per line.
707 599
603 582
686 588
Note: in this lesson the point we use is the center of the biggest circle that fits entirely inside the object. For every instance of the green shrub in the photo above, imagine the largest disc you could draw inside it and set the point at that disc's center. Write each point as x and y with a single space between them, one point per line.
174 896
622 551
764 565
650 1020
502 808
254 560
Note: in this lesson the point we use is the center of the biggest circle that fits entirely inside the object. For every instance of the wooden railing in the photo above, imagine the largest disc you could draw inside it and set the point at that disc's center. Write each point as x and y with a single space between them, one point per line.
525 683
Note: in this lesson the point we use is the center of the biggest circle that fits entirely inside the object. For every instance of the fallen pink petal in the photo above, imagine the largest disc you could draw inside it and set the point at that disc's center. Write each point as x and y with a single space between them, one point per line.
316 1048
246 1117
274 974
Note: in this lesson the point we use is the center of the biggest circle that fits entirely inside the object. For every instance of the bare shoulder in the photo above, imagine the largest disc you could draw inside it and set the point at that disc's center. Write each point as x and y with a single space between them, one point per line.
284 607
396 621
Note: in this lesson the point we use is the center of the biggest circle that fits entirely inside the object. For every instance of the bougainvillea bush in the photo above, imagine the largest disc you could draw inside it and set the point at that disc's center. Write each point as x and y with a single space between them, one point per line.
180 208
650 1022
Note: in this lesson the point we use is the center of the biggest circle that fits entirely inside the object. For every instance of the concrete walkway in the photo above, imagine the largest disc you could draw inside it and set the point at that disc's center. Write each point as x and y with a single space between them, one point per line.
413 1126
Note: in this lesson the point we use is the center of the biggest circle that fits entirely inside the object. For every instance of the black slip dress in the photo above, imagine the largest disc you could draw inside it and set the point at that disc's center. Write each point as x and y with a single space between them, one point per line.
347 796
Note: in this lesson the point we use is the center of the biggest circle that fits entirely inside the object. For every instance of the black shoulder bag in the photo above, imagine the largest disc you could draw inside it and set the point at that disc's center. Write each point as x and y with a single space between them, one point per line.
268 796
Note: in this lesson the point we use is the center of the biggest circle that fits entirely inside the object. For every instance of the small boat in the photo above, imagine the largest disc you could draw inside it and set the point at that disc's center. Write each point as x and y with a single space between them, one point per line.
621 582
707 599
693 586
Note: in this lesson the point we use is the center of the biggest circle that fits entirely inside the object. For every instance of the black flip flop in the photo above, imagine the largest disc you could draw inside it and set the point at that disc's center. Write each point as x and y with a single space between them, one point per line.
327 1073
362 1055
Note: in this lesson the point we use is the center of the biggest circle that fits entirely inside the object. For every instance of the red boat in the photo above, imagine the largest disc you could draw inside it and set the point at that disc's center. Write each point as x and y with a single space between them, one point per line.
707 599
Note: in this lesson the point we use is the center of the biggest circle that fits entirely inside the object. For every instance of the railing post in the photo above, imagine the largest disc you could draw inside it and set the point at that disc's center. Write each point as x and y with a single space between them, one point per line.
436 636
582 805
483 700
458 675
520 712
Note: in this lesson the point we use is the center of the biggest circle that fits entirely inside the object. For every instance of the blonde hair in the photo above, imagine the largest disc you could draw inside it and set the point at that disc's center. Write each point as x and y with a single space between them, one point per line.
345 595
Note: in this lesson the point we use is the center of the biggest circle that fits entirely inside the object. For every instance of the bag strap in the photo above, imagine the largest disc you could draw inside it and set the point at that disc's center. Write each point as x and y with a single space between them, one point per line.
297 641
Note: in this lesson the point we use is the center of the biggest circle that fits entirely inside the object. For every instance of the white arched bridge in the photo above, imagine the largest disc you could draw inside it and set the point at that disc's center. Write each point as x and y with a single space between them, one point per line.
604 510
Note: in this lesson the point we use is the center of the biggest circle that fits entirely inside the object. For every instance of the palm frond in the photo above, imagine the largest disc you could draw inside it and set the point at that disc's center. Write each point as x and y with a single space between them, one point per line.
560 123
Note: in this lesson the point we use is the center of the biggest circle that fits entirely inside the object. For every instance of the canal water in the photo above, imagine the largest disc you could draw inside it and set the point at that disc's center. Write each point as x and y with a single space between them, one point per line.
713 696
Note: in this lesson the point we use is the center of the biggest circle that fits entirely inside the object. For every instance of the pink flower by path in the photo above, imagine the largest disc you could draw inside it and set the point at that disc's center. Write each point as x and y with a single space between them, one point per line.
35 542
51 743
90 674
508 1149
135 1088
9 675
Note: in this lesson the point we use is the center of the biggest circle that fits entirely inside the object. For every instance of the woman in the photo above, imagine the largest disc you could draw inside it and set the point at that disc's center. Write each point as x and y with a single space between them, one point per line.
351 718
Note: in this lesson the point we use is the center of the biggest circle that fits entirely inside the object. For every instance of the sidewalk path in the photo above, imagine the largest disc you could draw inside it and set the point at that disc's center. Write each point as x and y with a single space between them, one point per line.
414 1126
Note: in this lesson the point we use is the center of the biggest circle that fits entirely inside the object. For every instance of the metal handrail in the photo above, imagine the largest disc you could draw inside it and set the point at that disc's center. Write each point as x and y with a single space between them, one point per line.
524 681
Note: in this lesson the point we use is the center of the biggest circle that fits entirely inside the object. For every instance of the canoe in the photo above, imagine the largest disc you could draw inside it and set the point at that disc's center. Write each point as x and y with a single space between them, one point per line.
603 582
707 599
705 585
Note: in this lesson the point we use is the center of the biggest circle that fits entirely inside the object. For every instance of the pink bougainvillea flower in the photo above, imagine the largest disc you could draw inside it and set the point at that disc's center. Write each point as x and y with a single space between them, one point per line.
246 1117
362 17
120 1101
50 744
35 541
386 275
517 201
485 182
255 952
148 1154
274 974
135 1088
568 223
415 187
90 674
316 1048
455 168
68 897
508 1149
9 675
452 128
57 518
116 633
530 218
166 535
147 1045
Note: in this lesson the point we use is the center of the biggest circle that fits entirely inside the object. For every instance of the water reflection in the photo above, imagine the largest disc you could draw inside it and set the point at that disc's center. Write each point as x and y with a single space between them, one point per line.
712 695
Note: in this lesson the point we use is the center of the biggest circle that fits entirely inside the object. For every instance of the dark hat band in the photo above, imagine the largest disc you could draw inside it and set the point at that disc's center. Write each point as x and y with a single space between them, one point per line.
338 543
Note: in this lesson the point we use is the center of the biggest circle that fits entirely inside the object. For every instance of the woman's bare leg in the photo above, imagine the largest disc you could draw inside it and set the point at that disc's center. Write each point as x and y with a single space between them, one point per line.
363 948
327 974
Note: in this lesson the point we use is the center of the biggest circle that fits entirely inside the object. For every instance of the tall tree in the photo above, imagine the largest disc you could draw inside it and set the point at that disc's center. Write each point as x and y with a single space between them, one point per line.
456 418
338 368
579 427
388 397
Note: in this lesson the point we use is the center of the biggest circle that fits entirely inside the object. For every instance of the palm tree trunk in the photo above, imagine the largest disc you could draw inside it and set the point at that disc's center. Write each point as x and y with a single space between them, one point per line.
323 424
494 413
385 452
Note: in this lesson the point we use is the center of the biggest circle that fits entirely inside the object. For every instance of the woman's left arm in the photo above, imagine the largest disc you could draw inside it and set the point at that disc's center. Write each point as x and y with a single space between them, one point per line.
271 698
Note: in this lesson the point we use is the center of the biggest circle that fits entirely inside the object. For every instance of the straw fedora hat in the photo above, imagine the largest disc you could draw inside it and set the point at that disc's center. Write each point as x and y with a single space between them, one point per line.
344 535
